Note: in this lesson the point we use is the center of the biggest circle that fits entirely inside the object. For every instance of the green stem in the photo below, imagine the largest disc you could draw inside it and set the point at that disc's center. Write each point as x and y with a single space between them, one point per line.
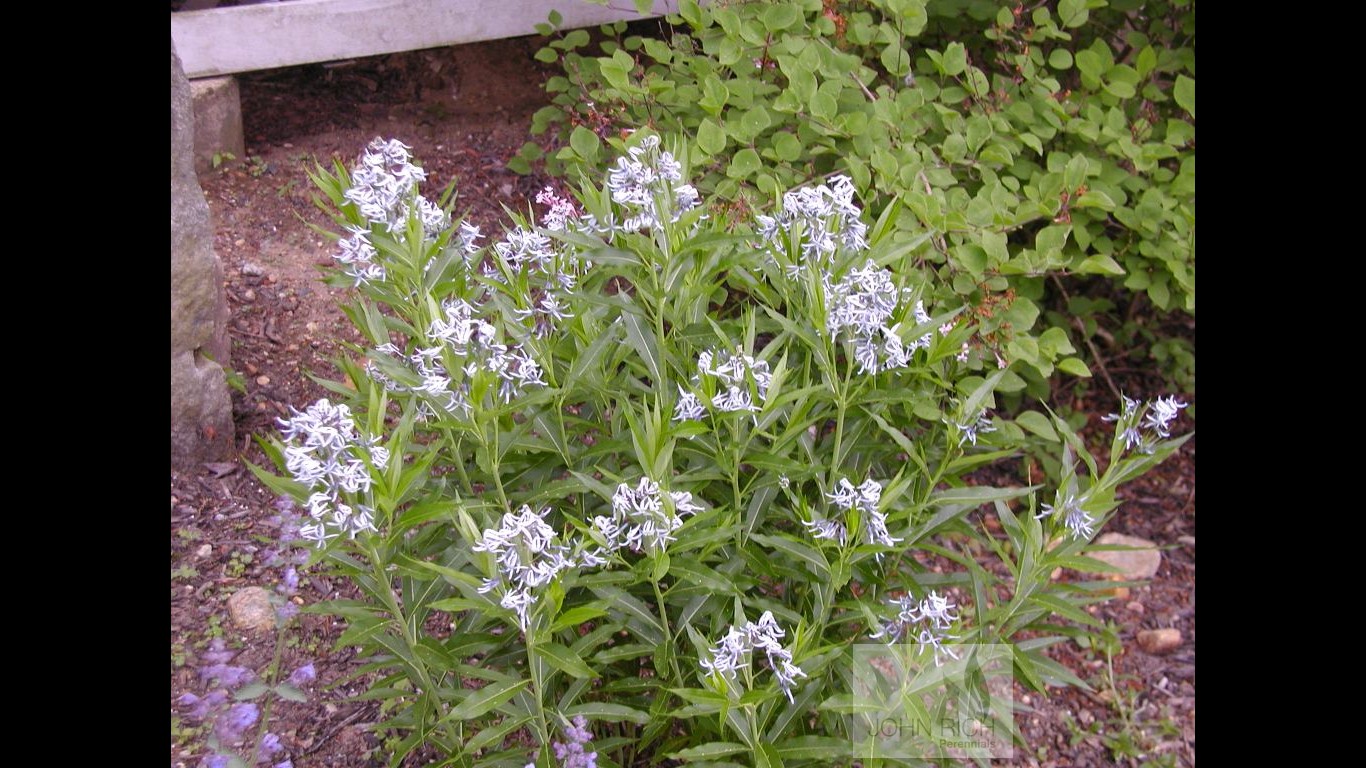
842 403
537 670
410 639
273 674
460 464
495 465
740 537
668 633
826 596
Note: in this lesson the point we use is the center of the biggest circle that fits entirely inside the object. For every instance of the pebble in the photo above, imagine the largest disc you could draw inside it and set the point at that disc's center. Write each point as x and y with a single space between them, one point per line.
204 550
1135 564
1159 641
263 380
239 242
1189 540
506 189
252 370
1136 607
311 326
248 295
250 269
250 609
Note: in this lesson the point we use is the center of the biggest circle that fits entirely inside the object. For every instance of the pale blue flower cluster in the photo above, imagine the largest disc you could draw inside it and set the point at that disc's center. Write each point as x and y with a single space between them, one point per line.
928 621
864 304
648 184
970 428
641 519
1080 522
731 653
863 498
529 556
474 344
735 377
822 218
324 451
1141 424
384 189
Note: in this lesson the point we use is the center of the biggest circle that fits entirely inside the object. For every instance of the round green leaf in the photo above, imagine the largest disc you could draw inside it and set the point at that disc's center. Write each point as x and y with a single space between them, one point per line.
781 16
744 164
895 60
1072 13
584 142
1060 59
710 138
1184 93
756 120
1038 424
1075 367
1090 63
823 105
955 59
786 146
1120 89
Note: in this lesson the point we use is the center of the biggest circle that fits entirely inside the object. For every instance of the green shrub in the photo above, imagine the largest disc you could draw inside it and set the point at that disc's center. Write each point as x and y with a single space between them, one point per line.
583 473
1020 150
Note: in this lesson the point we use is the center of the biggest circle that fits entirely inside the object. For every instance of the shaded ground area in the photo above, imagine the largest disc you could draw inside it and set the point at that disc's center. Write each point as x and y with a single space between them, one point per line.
465 111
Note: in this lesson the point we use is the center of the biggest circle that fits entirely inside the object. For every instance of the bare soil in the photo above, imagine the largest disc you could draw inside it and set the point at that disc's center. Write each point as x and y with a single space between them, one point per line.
465 111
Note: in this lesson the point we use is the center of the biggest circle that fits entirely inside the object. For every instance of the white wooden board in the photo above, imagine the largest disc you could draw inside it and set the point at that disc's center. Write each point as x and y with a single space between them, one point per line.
222 41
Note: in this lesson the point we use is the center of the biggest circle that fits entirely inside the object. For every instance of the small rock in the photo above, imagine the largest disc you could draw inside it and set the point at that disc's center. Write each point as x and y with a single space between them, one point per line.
1159 641
506 189
1136 607
221 468
252 370
263 380
248 295
250 609
311 327
204 550
1188 540
249 269
1139 563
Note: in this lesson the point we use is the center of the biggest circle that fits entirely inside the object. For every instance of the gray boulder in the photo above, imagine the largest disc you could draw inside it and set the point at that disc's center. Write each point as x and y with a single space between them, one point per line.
201 410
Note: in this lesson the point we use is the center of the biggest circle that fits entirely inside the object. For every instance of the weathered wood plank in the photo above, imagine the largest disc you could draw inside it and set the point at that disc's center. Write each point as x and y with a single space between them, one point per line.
222 41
